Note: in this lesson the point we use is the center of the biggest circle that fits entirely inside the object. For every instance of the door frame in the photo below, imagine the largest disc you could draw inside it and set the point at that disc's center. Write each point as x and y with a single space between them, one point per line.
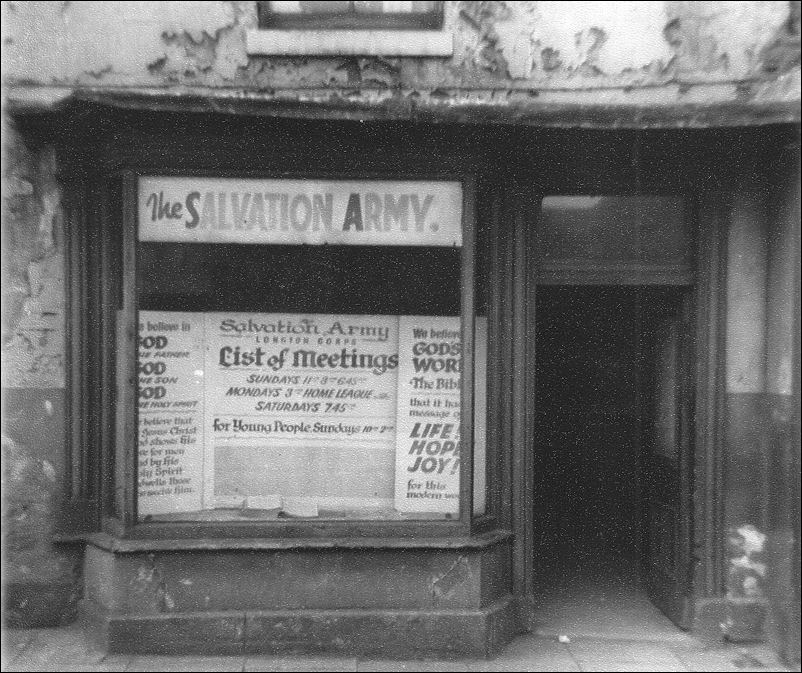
708 530
522 210
702 487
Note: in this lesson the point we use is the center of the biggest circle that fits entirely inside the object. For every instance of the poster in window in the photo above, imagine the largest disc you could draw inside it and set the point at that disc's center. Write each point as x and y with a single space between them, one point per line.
428 414
301 410
306 414
171 412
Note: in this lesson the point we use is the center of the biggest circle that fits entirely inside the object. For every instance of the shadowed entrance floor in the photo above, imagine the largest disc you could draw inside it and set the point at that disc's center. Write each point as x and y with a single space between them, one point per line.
598 595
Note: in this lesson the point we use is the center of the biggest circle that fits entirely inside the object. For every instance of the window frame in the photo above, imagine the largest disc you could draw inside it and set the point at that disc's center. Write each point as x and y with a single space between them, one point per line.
379 35
123 523
568 270
271 20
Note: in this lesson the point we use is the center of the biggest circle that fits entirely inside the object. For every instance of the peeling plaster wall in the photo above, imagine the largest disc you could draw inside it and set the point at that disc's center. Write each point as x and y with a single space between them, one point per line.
33 269
41 581
121 42
540 45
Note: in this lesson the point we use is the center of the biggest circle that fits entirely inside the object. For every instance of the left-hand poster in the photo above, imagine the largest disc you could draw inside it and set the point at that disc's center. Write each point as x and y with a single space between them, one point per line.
171 412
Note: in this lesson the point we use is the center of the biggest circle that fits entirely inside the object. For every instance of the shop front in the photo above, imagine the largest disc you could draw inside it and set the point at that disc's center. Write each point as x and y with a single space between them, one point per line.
361 387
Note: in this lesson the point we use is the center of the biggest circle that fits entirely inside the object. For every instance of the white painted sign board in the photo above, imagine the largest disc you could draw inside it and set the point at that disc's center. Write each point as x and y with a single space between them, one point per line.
294 212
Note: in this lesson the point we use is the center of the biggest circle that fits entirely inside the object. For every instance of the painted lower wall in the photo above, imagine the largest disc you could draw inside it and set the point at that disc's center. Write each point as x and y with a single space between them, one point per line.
782 366
760 444
397 602
42 580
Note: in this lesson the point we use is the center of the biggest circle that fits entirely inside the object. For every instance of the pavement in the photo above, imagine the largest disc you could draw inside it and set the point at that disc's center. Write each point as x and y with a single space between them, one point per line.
68 649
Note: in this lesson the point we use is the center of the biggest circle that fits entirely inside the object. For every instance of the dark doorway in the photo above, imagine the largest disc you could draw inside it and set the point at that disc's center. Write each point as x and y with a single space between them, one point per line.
607 394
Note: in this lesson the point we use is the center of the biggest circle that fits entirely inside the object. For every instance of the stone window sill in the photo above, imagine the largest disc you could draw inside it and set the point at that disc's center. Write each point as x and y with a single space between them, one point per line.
350 42
120 546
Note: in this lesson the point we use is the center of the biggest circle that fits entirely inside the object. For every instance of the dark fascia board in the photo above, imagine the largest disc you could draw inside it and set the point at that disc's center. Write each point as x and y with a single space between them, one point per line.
518 108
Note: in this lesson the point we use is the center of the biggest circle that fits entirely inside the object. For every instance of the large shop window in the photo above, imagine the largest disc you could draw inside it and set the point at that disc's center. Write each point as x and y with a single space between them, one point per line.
300 349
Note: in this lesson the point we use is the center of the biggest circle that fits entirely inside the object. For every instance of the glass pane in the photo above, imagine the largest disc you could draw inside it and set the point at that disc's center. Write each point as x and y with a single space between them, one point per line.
285 380
379 7
482 292
480 416
301 7
361 7
648 229
395 7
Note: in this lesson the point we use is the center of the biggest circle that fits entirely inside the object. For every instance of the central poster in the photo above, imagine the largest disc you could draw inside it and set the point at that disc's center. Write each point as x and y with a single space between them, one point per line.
301 410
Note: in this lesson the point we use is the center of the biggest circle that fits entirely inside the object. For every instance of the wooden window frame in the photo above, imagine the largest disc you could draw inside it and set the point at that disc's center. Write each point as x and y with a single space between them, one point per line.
350 20
113 250
574 270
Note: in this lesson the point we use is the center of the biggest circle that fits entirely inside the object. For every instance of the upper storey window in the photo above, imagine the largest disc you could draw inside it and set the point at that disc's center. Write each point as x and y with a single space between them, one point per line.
341 28
391 15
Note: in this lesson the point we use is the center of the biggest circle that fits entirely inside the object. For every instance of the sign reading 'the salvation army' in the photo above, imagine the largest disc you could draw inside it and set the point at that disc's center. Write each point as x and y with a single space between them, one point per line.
234 210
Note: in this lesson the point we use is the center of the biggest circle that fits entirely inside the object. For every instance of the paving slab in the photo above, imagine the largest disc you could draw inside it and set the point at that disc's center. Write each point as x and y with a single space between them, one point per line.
624 655
14 643
428 665
299 663
185 663
528 652
525 653
59 649
69 649
723 657
111 664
